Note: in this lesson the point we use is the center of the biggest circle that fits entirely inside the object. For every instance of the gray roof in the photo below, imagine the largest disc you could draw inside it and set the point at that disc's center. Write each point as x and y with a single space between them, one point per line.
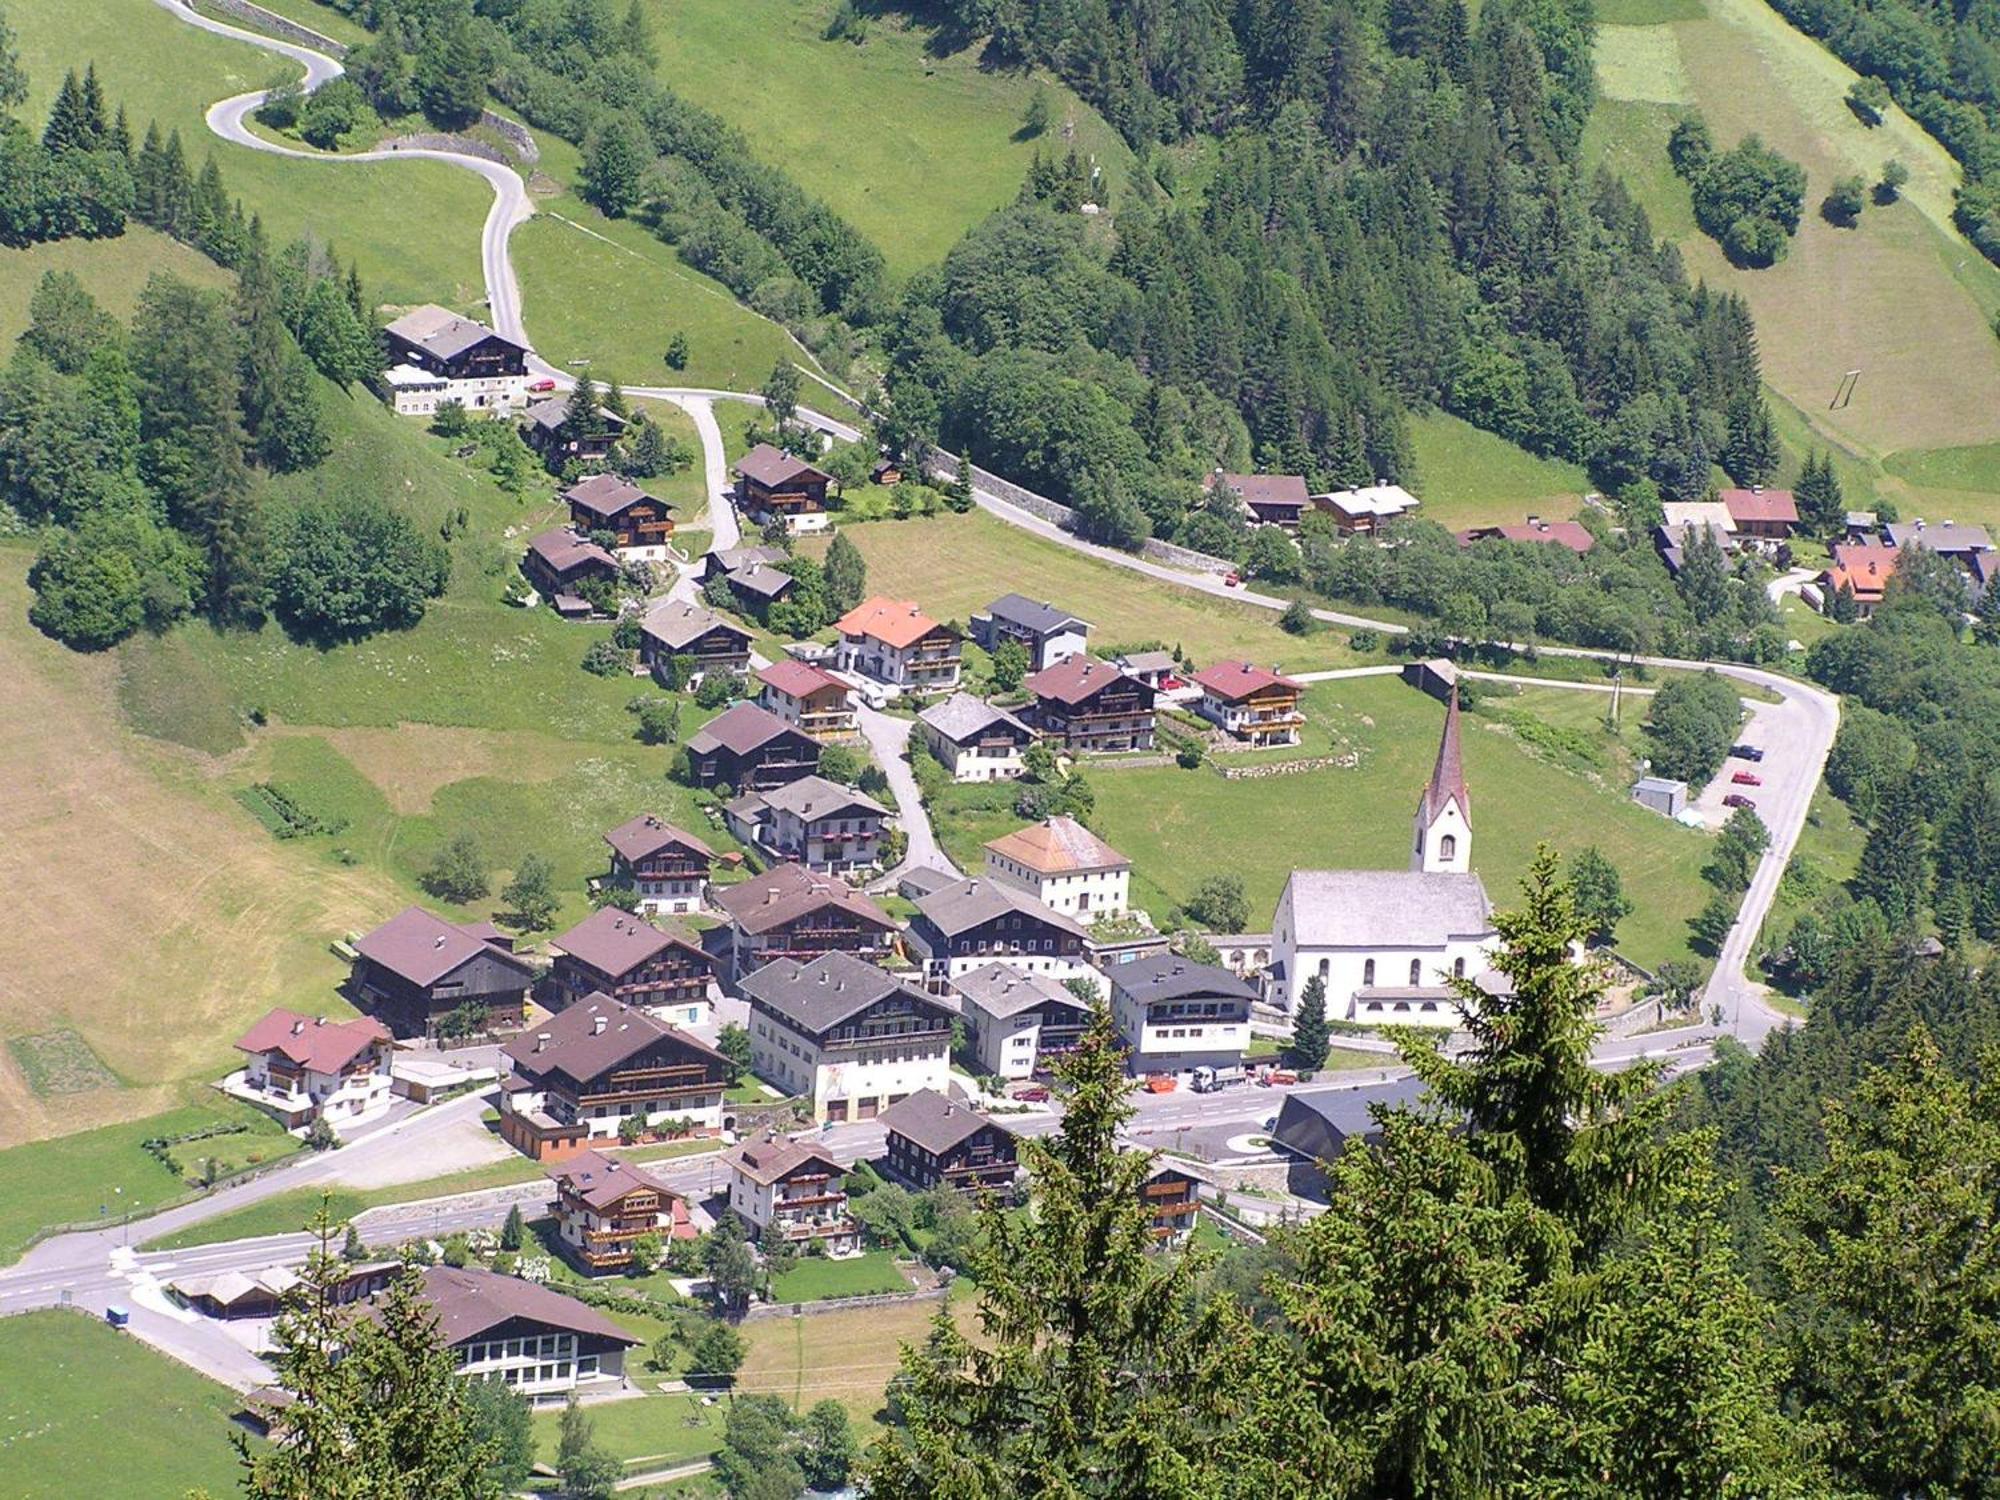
762 579
961 716
832 988
1000 991
1384 908
814 797
935 1122
605 495
679 623
1042 619
442 331
731 559
1148 661
1939 536
469 1301
549 415
1315 1124
967 903
1168 976
740 728
1659 784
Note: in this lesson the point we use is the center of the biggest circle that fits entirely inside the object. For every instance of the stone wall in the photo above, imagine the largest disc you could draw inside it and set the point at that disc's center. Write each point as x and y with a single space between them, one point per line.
1183 557
438 140
1345 762
514 133
763 1310
279 26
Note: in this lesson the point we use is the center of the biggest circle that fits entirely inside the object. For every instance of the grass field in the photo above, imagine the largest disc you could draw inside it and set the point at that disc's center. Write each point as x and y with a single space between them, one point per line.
649 1432
810 1280
1472 478
842 1356
115 271
1827 855
87 1410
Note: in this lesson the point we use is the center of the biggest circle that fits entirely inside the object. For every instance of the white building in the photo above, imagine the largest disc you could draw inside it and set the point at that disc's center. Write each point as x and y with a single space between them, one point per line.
1175 1015
970 923
814 822
531 1339
1064 866
892 642
796 1185
975 741
1018 1021
301 1068
436 356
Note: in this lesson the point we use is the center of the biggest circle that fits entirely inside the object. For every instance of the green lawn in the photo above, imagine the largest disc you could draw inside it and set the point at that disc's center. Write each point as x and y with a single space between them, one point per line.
115 272
85 1409
664 1430
813 1280
1469 477
1827 855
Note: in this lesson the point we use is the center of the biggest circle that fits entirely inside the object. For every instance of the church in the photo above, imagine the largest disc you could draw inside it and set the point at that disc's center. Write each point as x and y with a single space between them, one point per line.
1388 941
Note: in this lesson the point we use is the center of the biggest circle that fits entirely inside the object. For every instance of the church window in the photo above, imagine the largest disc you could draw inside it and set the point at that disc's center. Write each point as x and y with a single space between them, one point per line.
1448 846
1325 967
1416 972
1368 973
1458 968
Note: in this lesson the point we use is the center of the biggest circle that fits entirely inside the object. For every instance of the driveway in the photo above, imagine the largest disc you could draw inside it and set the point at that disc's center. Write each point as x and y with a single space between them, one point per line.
888 738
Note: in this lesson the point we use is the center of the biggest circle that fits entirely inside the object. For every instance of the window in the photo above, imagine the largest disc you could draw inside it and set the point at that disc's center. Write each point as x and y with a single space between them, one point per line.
1458 968
1368 974
1416 972
1448 846
1325 967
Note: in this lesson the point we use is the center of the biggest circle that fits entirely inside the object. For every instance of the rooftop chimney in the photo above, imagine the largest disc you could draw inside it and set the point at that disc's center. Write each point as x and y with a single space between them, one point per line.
298 1026
541 1040
438 941
596 1025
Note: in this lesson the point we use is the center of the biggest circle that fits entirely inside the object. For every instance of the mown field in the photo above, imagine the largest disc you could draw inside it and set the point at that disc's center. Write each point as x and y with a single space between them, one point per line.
1472 478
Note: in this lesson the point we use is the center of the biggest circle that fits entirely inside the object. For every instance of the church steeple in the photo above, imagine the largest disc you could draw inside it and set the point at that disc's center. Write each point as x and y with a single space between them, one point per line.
1444 812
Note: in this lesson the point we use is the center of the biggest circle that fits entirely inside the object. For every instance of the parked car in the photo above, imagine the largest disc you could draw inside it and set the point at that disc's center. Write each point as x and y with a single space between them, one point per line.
1232 580
1746 752
1281 1075
1034 1093
1737 799
1747 778
542 387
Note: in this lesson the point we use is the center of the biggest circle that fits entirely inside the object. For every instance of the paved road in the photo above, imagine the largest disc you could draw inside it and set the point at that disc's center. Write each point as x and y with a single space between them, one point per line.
888 737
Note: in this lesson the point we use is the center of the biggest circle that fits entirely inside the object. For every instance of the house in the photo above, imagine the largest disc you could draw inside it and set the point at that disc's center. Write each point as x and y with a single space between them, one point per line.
771 484
261 1293
1385 942
1971 547
1365 511
1089 705
1314 1126
1860 525
1244 954
550 434
1571 534
628 958
585 1071
797 1185
849 1037
898 645
1709 515
973 740
970 923
1249 703
1662 794
665 865
604 1204
304 1068
1864 569
1064 866
886 471
792 912
436 356
750 749
815 822
535 1341
1175 1015
1157 669
1173 1201
680 627
757 586
557 563
1018 1022
1047 634
642 523
416 969
1770 515
808 697
734 559
1267 499
932 1142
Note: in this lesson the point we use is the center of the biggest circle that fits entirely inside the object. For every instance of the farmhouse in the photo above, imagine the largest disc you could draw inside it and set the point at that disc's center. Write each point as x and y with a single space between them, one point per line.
808 697
815 822
1571 534
795 1185
416 969
845 1034
1960 543
436 356
559 563
629 959
1173 1202
734 559
1267 499
973 740
1863 568
771 485
1064 866
792 912
551 435
1365 511
304 1068
750 749
1047 634
1089 705
682 628
641 522
1157 669
1019 1022
933 1142
1770 515
971 923
757 586
603 1204
534 1341
666 865
1175 1015
898 645
1251 704
582 1073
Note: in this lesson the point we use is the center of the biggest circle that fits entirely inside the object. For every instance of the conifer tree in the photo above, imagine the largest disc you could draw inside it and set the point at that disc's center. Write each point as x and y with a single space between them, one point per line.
69 127
1310 1034
96 125
844 574
582 417
1894 861
119 137
13 77
1821 505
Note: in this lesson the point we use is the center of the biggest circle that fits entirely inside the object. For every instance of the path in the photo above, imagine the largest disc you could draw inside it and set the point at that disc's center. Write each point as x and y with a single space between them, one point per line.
888 736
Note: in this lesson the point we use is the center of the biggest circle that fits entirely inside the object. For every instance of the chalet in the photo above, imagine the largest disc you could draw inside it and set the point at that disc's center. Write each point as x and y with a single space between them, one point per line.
971 923
1064 866
631 960
550 434
604 1204
808 697
1316 1125
1365 511
416 969
758 586
535 1341
1961 543
750 749
1686 522
797 1186
886 471
814 822
559 563
973 740
1864 569
1251 704
665 865
1047 634
1771 515
899 646
733 559
436 356
1173 1202
1089 705
1175 1015
851 1038
261 1293
304 1068
1267 499
792 912
1018 1022
582 1073
932 1142
1534 531
642 523
681 628
771 485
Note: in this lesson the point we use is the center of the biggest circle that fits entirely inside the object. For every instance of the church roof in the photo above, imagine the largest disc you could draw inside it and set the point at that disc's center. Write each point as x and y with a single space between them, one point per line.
1448 776
1384 908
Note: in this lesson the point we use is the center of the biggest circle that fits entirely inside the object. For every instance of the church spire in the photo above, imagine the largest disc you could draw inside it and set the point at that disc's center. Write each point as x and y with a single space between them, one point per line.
1448 777
1443 842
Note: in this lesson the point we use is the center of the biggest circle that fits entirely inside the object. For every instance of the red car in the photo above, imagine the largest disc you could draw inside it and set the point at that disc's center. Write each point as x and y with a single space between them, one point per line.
1747 778
1737 799
1233 581
542 385
1033 1094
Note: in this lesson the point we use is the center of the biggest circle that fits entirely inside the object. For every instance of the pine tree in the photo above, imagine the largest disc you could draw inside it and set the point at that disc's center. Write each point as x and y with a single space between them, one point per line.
148 190
581 417
1752 453
844 574
96 126
176 184
635 37
614 160
514 1233
352 1249
781 395
1310 1034
1894 860
13 78
119 138
615 402
69 127
1821 505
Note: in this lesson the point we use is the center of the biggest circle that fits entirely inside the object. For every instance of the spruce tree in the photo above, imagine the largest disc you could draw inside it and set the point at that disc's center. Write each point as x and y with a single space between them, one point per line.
96 124
13 77
514 1233
1310 1034
1821 506
68 128
1894 863
581 417
844 575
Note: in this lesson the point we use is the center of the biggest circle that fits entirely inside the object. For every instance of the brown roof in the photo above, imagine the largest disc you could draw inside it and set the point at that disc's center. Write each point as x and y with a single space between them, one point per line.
742 727
615 942
422 948
1267 489
772 467
1761 505
601 1180
1076 679
313 1042
1058 845
563 549
605 495
646 835
680 622
894 622
798 678
1448 775
571 1042
1233 681
935 1122
1571 534
786 892
766 1162
468 1302
443 332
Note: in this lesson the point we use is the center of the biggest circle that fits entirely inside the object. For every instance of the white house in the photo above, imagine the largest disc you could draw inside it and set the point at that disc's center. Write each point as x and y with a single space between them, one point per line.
970 923
301 1068
815 822
436 356
1175 1015
896 644
975 741
795 1185
1064 866
1018 1021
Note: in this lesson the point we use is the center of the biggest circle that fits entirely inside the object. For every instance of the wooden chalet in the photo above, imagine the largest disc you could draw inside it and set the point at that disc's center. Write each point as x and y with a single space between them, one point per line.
934 1142
681 628
549 433
792 912
642 523
1089 705
1173 1200
667 866
416 969
1267 499
604 1204
809 697
558 562
1254 705
771 485
750 749
630 959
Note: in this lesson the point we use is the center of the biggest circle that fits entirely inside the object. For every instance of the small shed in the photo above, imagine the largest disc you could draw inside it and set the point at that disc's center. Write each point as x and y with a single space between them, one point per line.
1438 677
1663 796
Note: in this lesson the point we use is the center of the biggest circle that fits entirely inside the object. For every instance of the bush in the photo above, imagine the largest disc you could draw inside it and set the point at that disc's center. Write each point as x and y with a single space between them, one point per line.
660 721
1298 619
353 566
1844 202
458 874
607 659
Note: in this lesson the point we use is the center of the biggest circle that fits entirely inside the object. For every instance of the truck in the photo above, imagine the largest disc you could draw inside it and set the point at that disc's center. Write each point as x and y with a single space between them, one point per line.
1209 1080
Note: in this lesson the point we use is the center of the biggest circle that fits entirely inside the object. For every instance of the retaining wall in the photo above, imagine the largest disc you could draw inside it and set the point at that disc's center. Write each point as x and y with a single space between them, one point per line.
764 1310
282 27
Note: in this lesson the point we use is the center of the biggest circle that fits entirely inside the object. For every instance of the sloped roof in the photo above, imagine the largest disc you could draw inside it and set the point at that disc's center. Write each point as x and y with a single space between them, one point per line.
468 1302
1571 534
1384 908
549 415
313 1042
894 622
1058 846
615 942
1370 499
1168 976
1267 489
1316 1124
1760 505
772 467
422 948
965 904
935 1122
741 728
563 549
1077 679
787 892
1001 991
813 797
762 579
647 834
1863 566
576 1047
961 716
442 331
679 622
1681 514
1041 618
601 1180
798 678
1938 536
1237 680
765 1162
821 994
1448 775
605 495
